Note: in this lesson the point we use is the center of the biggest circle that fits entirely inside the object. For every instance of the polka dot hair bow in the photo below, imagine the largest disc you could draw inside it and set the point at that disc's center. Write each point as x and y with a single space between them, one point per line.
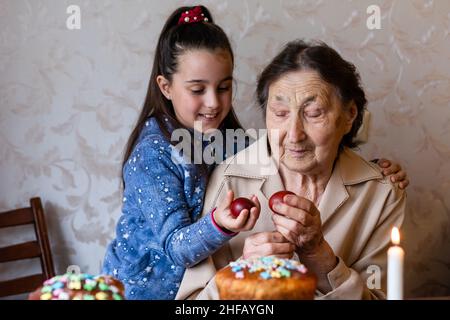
192 16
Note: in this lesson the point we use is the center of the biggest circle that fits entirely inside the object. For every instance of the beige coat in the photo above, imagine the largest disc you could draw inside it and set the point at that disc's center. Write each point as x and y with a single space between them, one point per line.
358 209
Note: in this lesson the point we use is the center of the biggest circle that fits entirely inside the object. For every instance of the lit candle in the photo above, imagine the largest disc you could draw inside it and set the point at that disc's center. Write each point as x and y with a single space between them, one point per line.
396 256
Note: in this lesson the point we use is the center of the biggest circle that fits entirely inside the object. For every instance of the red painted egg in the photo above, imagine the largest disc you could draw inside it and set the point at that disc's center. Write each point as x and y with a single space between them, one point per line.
240 204
278 197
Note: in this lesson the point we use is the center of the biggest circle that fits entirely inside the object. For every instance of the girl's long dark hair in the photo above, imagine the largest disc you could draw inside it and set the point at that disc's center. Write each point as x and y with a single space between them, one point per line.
174 40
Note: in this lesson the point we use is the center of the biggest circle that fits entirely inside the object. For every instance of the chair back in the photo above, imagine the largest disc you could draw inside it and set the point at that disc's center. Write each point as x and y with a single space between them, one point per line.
40 248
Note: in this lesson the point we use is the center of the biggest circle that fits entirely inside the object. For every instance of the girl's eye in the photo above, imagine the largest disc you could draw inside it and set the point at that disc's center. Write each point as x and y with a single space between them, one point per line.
222 89
197 90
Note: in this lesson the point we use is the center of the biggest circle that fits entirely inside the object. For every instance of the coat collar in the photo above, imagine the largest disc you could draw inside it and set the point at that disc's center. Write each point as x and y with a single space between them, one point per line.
255 163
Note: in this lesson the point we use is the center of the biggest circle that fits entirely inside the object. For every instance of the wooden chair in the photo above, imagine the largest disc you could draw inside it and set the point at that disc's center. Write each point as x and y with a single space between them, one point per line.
33 249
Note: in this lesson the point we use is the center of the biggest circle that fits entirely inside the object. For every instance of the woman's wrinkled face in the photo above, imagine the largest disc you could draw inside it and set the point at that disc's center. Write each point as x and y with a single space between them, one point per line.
306 121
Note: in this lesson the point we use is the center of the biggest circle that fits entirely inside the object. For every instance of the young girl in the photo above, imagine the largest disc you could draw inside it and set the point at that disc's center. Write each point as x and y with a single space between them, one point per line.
160 233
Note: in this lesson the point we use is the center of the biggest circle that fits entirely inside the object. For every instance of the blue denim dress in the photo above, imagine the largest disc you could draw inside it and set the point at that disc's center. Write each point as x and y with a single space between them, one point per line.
159 233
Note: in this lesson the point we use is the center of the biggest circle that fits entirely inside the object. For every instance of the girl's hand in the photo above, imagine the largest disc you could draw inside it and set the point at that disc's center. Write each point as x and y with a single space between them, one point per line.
267 244
395 170
244 222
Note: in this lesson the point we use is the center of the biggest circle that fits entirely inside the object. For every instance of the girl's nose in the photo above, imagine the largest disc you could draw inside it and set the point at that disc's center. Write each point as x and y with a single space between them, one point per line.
212 100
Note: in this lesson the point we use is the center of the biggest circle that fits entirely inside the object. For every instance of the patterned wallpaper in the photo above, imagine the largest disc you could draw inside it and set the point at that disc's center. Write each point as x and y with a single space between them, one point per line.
68 100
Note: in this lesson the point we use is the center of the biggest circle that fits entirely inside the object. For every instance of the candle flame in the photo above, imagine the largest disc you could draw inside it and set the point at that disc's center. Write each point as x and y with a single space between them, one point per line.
395 236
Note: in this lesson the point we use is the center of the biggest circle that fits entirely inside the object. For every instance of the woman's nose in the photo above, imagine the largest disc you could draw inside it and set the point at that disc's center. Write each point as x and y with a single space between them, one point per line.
296 130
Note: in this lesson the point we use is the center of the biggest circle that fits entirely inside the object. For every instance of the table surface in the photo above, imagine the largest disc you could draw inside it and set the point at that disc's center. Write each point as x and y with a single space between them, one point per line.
430 298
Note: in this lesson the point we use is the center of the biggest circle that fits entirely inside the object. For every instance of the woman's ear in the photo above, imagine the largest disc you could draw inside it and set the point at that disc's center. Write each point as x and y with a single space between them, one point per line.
164 86
350 116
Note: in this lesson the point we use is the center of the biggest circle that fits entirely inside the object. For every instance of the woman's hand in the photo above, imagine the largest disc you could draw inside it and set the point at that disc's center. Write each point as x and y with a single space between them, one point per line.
299 222
267 244
398 175
243 222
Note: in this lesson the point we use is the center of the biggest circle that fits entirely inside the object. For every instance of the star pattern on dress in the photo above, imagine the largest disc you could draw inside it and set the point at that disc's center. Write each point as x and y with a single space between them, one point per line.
161 199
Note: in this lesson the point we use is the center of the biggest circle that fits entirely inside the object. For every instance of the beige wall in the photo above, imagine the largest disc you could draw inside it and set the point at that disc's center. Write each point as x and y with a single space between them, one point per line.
68 100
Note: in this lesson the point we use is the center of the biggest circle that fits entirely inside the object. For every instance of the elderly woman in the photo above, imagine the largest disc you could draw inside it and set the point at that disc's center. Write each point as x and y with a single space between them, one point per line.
339 221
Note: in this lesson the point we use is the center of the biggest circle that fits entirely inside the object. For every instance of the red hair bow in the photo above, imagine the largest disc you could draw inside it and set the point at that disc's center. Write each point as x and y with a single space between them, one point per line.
192 16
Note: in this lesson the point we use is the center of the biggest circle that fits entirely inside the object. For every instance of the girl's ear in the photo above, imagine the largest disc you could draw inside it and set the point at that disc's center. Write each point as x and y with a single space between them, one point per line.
164 86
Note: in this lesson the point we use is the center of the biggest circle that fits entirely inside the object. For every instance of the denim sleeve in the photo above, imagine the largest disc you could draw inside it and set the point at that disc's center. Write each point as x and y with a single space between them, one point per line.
157 185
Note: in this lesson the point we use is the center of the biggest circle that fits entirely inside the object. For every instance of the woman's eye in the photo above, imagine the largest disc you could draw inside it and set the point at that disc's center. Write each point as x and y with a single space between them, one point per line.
313 113
281 114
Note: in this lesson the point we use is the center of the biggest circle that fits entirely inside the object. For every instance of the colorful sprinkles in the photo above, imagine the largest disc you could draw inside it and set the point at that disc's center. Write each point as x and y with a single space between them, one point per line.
269 267
79 287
